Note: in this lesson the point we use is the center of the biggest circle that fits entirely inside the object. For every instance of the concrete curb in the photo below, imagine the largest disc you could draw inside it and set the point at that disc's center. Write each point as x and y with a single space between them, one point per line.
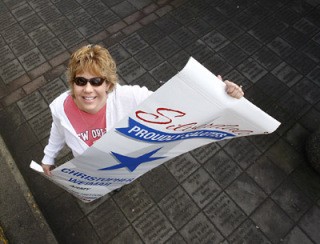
42 224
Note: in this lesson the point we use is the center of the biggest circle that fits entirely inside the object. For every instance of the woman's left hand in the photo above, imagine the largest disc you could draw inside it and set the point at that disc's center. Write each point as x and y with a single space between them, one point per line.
233 89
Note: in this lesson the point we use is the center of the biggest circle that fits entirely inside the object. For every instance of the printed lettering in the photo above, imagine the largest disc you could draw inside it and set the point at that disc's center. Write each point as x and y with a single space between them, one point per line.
163 115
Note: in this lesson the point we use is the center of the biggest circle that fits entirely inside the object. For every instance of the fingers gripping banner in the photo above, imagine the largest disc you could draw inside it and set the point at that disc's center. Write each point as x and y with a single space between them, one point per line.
192 109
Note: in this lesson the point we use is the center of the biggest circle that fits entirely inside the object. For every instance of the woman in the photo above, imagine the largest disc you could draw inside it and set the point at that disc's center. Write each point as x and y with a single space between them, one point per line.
94 103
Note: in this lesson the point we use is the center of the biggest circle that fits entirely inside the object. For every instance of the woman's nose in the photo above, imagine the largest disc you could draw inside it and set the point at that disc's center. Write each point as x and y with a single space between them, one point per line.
88 87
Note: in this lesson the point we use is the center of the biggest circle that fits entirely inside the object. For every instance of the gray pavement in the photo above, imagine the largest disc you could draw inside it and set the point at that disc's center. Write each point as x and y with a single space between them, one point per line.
258 189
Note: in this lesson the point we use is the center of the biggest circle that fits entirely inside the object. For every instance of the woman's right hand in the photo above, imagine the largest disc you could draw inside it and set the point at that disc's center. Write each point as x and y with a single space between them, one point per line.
47 169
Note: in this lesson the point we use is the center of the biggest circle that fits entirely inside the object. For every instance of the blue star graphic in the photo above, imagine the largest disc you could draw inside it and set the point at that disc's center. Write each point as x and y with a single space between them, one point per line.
132 163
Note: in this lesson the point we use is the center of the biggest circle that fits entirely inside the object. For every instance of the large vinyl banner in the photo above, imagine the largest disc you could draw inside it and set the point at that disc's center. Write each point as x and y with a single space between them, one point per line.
192 109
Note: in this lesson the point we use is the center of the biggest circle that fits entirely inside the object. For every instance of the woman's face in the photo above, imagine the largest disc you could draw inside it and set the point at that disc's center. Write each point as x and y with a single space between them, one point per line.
90 98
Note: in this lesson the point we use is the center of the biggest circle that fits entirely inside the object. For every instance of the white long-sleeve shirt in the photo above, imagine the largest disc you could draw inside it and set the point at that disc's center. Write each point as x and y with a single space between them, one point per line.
120 102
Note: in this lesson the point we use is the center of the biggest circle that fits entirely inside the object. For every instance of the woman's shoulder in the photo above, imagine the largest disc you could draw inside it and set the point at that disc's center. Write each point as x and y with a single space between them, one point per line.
58 102
126 90
61 97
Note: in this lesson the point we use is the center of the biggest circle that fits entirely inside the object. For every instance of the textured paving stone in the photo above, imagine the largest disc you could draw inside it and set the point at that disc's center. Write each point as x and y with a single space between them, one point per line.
308 90
222 169
199 51
21 45
287 162
108 220
215 40
134 43
242 151
53 89
311 120
70 217
129 235
41 124
133 200
297 137
257 97
184 15
310 222
267 58
93 7
11 71
148 81
130 70
201 187
200 230
31 59
60 25
246 193
51 48
308 181
168 24
292 200
230 30
252 70
107 18
151 33
233 54
118 53
183 37
7 19
179 60
294 104
245 20
71 38
182 166
225 214
248 232
297 236
178 207
265 221
6 55
301 62
217 65
176 238
82 231
202 154
163 72
312 50
31 23
166 47
123 9
32 105
148 58
49 13
271 86
153 227
314 74
23 11
270 181
247 43
158 183
13 32
199 27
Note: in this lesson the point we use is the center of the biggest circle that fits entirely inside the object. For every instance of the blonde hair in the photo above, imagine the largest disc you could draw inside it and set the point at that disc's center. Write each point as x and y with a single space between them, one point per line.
96 60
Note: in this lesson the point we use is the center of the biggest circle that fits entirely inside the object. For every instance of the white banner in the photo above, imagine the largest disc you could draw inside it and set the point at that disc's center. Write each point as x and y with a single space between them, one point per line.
192 109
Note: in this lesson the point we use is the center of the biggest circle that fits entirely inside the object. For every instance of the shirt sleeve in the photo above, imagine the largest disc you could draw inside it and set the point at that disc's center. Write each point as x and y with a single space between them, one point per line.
55 144
141 93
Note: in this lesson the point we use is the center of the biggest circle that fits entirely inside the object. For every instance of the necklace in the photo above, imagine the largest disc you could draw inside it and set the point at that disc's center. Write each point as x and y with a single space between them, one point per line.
92 121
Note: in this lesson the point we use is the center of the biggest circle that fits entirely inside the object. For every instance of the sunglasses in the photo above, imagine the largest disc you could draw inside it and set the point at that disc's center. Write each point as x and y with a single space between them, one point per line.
81 81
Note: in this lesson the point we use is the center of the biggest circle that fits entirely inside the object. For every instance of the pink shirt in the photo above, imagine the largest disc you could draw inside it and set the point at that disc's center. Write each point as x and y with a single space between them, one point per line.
89 127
